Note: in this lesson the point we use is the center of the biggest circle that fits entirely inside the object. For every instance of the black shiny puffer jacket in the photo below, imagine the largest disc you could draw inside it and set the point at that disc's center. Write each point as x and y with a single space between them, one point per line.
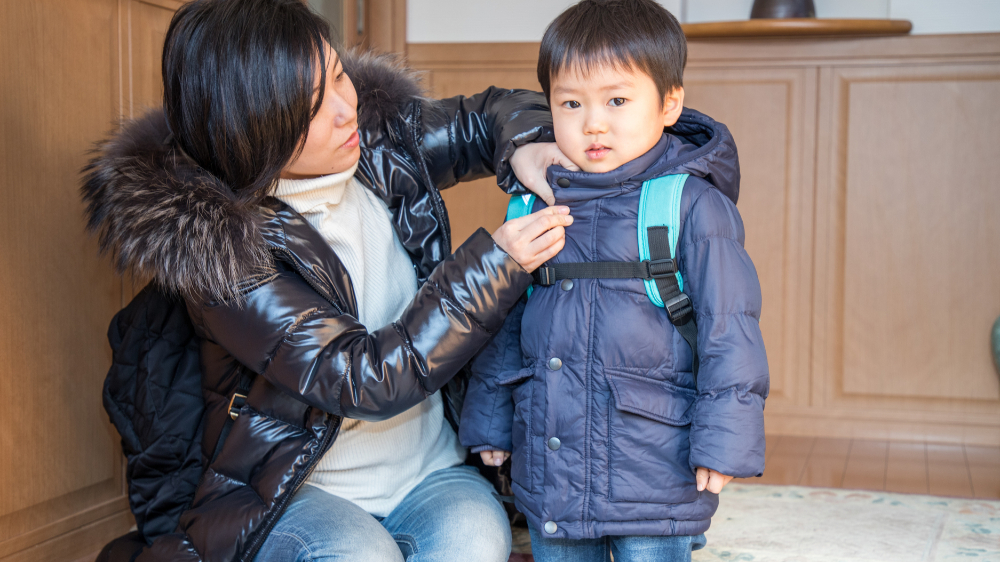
274 310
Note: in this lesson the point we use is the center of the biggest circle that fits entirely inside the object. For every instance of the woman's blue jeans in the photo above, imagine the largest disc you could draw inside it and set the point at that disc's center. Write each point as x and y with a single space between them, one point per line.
625 549
450 516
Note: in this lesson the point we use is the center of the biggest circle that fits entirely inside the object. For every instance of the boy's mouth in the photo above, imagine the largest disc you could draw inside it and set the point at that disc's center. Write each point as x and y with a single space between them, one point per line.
597 151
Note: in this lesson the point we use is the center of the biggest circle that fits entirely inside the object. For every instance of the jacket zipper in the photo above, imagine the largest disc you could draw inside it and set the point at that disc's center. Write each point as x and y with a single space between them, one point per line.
264 531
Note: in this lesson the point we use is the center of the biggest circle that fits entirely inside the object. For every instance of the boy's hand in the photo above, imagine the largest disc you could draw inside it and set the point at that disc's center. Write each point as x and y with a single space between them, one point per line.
711 480
493 458
530 162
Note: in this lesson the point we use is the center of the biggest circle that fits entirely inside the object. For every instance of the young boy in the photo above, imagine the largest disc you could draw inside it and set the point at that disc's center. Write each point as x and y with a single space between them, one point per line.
622 434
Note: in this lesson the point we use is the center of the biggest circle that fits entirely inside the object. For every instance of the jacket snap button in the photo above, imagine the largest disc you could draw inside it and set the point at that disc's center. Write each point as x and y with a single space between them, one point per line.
567 284
562 182
555 363
554 443
551 527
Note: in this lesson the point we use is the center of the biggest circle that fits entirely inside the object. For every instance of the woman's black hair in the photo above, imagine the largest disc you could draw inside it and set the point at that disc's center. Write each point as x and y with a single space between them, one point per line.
238 86
638 35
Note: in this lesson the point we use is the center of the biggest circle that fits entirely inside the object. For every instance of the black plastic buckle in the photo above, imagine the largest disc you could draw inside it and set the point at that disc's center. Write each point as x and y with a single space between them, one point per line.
545 276
235 404
657 269
679 309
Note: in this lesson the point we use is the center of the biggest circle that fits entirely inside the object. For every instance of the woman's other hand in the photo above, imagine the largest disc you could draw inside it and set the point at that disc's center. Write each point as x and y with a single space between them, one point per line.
536 238
493 458
530 161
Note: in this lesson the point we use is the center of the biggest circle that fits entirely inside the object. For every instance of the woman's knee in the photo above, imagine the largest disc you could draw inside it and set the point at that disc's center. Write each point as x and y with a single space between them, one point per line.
481 529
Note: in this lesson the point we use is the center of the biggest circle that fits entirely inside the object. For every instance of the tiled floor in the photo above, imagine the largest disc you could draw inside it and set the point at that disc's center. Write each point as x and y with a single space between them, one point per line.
892 466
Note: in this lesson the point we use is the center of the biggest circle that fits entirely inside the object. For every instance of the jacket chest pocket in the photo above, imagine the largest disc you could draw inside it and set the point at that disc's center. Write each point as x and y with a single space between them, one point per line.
649 427
521 438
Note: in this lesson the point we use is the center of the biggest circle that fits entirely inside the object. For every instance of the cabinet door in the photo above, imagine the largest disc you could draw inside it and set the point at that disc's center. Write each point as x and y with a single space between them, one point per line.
908 247
70 71
771 112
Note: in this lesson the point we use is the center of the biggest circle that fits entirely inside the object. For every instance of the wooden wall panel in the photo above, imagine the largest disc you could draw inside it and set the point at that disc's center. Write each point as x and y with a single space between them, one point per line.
69 78
449 71
61 459
921 235
148 21
771 113
911 258
870 207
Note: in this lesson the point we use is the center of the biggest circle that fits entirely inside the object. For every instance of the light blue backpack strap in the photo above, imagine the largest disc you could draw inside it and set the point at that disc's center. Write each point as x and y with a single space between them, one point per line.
660 205
520 206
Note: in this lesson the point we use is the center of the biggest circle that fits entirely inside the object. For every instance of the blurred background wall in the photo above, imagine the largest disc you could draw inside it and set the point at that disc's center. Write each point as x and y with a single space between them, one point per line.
441 21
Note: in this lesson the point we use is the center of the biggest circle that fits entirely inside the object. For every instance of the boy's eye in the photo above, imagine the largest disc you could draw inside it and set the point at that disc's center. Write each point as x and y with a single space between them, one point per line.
617 101
571 104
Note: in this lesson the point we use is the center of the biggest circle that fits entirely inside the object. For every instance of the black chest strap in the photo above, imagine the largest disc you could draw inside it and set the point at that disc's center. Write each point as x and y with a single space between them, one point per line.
660 267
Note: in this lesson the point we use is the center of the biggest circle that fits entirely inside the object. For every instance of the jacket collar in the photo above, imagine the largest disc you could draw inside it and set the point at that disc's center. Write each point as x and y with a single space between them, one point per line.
696 145
160 216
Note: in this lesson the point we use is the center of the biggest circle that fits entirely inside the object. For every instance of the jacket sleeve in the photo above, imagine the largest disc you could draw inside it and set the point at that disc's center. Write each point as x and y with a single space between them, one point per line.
285 331
465 138
727 430
488 413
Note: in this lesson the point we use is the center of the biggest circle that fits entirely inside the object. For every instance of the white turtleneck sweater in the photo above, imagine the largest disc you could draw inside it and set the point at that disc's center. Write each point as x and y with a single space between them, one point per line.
373 464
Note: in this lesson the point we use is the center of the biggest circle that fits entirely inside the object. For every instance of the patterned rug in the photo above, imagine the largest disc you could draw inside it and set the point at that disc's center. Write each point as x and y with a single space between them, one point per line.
760 523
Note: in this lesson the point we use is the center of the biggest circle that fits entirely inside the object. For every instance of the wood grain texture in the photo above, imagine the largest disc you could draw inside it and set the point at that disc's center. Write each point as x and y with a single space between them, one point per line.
796 27
866 197
771 114
77 68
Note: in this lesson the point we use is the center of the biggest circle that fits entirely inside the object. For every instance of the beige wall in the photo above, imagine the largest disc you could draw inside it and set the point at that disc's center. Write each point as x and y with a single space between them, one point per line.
870 203
457 21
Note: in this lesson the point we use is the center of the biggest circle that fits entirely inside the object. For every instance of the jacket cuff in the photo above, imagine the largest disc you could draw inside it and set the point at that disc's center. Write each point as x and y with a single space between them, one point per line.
483 279
482 448
727 433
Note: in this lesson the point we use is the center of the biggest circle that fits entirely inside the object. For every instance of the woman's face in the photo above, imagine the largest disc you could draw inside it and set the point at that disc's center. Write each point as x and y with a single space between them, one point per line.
332 142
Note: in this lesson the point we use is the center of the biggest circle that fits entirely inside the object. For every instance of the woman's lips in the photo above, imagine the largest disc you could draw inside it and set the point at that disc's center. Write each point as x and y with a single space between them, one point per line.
352 141
596 152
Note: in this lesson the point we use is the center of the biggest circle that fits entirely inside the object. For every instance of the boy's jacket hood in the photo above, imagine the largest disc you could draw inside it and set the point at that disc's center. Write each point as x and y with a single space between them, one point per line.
161 216
697 145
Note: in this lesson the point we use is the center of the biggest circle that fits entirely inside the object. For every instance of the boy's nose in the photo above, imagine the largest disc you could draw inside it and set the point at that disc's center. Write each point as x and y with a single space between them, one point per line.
595 125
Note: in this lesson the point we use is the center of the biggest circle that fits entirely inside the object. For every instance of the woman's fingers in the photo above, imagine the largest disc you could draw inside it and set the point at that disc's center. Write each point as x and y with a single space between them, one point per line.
533 239
540 187
544 220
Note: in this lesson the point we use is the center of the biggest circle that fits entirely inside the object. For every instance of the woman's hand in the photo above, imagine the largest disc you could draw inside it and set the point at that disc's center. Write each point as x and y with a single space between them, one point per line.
536 238
530 161
711 480
493 458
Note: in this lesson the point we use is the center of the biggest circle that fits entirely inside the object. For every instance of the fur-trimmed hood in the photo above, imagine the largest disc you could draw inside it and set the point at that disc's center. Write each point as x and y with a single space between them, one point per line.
161 217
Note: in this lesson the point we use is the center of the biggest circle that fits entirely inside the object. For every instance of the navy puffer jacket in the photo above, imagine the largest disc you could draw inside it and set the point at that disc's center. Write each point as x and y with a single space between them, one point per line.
607 442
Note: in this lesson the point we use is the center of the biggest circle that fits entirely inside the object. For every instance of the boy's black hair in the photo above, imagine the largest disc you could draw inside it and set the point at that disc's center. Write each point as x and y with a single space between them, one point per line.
238 82
637 35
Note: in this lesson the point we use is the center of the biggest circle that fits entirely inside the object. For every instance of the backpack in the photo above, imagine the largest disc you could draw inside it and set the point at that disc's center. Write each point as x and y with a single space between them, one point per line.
658 231
154 398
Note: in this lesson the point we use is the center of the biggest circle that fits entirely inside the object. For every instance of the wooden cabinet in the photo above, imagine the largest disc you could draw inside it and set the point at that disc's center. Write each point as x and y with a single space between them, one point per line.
872 211
71 70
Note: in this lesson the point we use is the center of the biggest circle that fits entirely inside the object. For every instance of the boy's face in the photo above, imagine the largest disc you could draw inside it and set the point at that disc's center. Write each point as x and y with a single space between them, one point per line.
607 117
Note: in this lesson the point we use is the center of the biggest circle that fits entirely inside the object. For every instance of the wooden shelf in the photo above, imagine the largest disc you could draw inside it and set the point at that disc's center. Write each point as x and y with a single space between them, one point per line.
796 27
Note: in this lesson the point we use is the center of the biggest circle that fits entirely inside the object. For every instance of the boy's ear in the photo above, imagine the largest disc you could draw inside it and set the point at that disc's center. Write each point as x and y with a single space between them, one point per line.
673 105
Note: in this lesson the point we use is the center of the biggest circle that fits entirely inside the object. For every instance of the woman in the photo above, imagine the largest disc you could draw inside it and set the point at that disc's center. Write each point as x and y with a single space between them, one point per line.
290 196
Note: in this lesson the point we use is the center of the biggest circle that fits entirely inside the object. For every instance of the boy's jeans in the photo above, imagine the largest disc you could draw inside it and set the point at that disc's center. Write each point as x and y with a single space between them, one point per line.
625 549
450 516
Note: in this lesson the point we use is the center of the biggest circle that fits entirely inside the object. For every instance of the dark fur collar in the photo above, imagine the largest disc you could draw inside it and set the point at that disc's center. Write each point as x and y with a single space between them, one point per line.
161 217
